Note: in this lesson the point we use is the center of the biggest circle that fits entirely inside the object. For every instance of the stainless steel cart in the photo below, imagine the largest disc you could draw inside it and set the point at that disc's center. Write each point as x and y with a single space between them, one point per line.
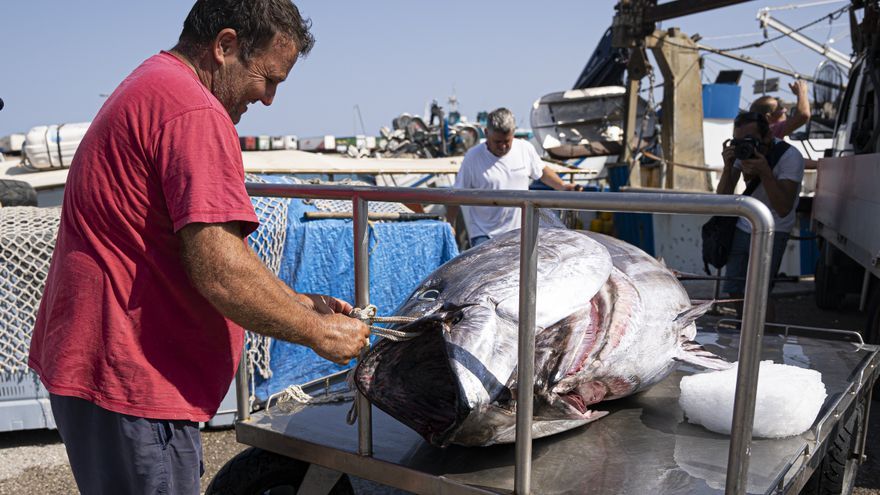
643 446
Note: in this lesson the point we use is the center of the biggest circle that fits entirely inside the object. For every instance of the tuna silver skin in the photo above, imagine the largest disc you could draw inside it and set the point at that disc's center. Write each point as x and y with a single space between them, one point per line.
610 321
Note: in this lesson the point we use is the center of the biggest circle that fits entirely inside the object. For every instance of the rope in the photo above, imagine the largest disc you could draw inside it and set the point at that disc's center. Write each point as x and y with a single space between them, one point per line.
716 301
288 399
682 165
368 316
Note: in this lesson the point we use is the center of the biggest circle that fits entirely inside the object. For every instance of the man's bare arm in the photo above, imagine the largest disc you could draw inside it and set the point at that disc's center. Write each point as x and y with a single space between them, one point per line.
552 179
802 111
226 271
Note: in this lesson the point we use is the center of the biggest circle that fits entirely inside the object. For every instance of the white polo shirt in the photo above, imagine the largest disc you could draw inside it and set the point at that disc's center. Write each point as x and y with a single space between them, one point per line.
480 169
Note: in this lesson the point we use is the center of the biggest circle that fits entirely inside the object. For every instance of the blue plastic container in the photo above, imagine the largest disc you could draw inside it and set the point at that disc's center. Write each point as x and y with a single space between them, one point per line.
721 101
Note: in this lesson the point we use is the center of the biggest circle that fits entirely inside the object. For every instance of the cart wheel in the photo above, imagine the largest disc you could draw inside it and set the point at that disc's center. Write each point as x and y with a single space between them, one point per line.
17 193
836 474
829 294
257 471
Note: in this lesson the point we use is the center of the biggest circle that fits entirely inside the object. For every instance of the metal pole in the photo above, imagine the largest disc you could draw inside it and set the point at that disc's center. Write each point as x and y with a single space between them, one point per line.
360 214
754 309
528 269
242 390
835 56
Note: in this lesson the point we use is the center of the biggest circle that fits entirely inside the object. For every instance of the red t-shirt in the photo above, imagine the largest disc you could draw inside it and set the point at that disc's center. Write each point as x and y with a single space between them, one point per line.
120 324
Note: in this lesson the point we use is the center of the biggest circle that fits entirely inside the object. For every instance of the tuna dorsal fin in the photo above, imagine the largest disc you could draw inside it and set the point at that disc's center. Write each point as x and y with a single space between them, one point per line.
688 316
693 353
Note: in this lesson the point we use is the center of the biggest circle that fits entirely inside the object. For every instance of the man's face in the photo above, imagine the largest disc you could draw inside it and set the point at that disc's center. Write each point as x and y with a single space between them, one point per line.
777 112
751 130
237 85
499 143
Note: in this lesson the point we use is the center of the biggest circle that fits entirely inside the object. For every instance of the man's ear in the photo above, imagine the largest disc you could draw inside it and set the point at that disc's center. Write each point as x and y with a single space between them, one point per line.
225 46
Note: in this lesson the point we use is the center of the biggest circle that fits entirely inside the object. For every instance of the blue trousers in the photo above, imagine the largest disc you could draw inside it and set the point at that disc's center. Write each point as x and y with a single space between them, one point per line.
738 261
112 453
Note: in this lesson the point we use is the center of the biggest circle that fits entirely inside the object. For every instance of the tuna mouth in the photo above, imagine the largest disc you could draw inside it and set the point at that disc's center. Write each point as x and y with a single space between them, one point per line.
435 321
575 401
584 395
413 381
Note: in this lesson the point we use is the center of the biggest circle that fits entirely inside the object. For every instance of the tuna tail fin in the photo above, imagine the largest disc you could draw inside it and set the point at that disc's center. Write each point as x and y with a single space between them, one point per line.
688 316
693 353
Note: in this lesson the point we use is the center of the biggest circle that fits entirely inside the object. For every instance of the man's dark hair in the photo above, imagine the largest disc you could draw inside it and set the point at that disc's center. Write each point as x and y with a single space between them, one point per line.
255 22
756 117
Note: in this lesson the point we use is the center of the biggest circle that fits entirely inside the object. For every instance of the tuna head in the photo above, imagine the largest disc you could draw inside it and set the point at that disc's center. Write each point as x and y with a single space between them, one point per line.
454 383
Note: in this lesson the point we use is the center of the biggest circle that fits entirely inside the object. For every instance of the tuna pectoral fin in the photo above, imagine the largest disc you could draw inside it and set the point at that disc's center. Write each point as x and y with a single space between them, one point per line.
693 353
690 351
688 316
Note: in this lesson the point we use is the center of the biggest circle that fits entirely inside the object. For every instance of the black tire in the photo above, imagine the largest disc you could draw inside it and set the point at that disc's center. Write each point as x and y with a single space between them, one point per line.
836 473
257 471
829 293
872 308
17 193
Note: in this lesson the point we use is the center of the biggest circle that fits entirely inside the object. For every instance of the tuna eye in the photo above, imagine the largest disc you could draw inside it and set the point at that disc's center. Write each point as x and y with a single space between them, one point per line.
459 315
429 295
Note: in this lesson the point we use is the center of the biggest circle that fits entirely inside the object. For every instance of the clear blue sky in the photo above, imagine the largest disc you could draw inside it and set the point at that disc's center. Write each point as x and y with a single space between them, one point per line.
387 57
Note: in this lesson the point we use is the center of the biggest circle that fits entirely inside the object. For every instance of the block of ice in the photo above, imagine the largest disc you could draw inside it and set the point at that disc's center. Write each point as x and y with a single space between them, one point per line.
788 399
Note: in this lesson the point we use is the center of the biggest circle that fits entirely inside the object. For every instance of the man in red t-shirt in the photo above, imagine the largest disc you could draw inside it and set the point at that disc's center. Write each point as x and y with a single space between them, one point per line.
139 331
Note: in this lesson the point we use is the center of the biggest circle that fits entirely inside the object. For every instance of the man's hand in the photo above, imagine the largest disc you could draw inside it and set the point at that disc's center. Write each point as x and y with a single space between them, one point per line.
756 166
573 187
799 88
342 338
325 305
728 154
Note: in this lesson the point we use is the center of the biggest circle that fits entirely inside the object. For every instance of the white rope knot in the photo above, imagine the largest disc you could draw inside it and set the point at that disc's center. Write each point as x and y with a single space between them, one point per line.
366 315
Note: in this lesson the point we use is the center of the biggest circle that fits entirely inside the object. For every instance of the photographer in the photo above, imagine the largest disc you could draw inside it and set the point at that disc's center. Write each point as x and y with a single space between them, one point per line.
756 155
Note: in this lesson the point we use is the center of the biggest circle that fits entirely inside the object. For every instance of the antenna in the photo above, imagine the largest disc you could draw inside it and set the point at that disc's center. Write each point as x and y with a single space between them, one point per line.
357 111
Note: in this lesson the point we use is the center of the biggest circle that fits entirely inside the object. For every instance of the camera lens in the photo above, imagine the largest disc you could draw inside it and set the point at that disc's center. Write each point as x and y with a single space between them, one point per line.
744 150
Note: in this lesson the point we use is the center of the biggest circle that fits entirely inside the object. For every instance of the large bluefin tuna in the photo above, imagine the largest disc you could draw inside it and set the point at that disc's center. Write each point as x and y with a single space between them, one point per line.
610 321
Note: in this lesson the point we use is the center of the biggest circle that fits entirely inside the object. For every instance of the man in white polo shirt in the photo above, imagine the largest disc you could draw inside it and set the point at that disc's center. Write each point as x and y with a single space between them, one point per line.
502 162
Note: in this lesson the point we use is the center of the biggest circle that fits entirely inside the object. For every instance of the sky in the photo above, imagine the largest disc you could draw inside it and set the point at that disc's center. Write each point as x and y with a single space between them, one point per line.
385 57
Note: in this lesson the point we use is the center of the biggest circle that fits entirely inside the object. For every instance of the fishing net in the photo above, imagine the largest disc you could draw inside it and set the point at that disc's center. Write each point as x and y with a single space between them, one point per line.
27 239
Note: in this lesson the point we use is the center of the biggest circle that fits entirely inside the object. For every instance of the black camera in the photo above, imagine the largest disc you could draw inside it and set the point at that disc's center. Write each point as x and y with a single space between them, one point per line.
744 148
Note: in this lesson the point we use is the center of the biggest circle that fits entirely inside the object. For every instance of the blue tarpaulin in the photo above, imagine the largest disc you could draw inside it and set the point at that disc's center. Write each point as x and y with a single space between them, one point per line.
319 258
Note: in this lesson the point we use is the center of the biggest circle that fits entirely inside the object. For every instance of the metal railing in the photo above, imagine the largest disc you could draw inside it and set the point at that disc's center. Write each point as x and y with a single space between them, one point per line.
757 283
